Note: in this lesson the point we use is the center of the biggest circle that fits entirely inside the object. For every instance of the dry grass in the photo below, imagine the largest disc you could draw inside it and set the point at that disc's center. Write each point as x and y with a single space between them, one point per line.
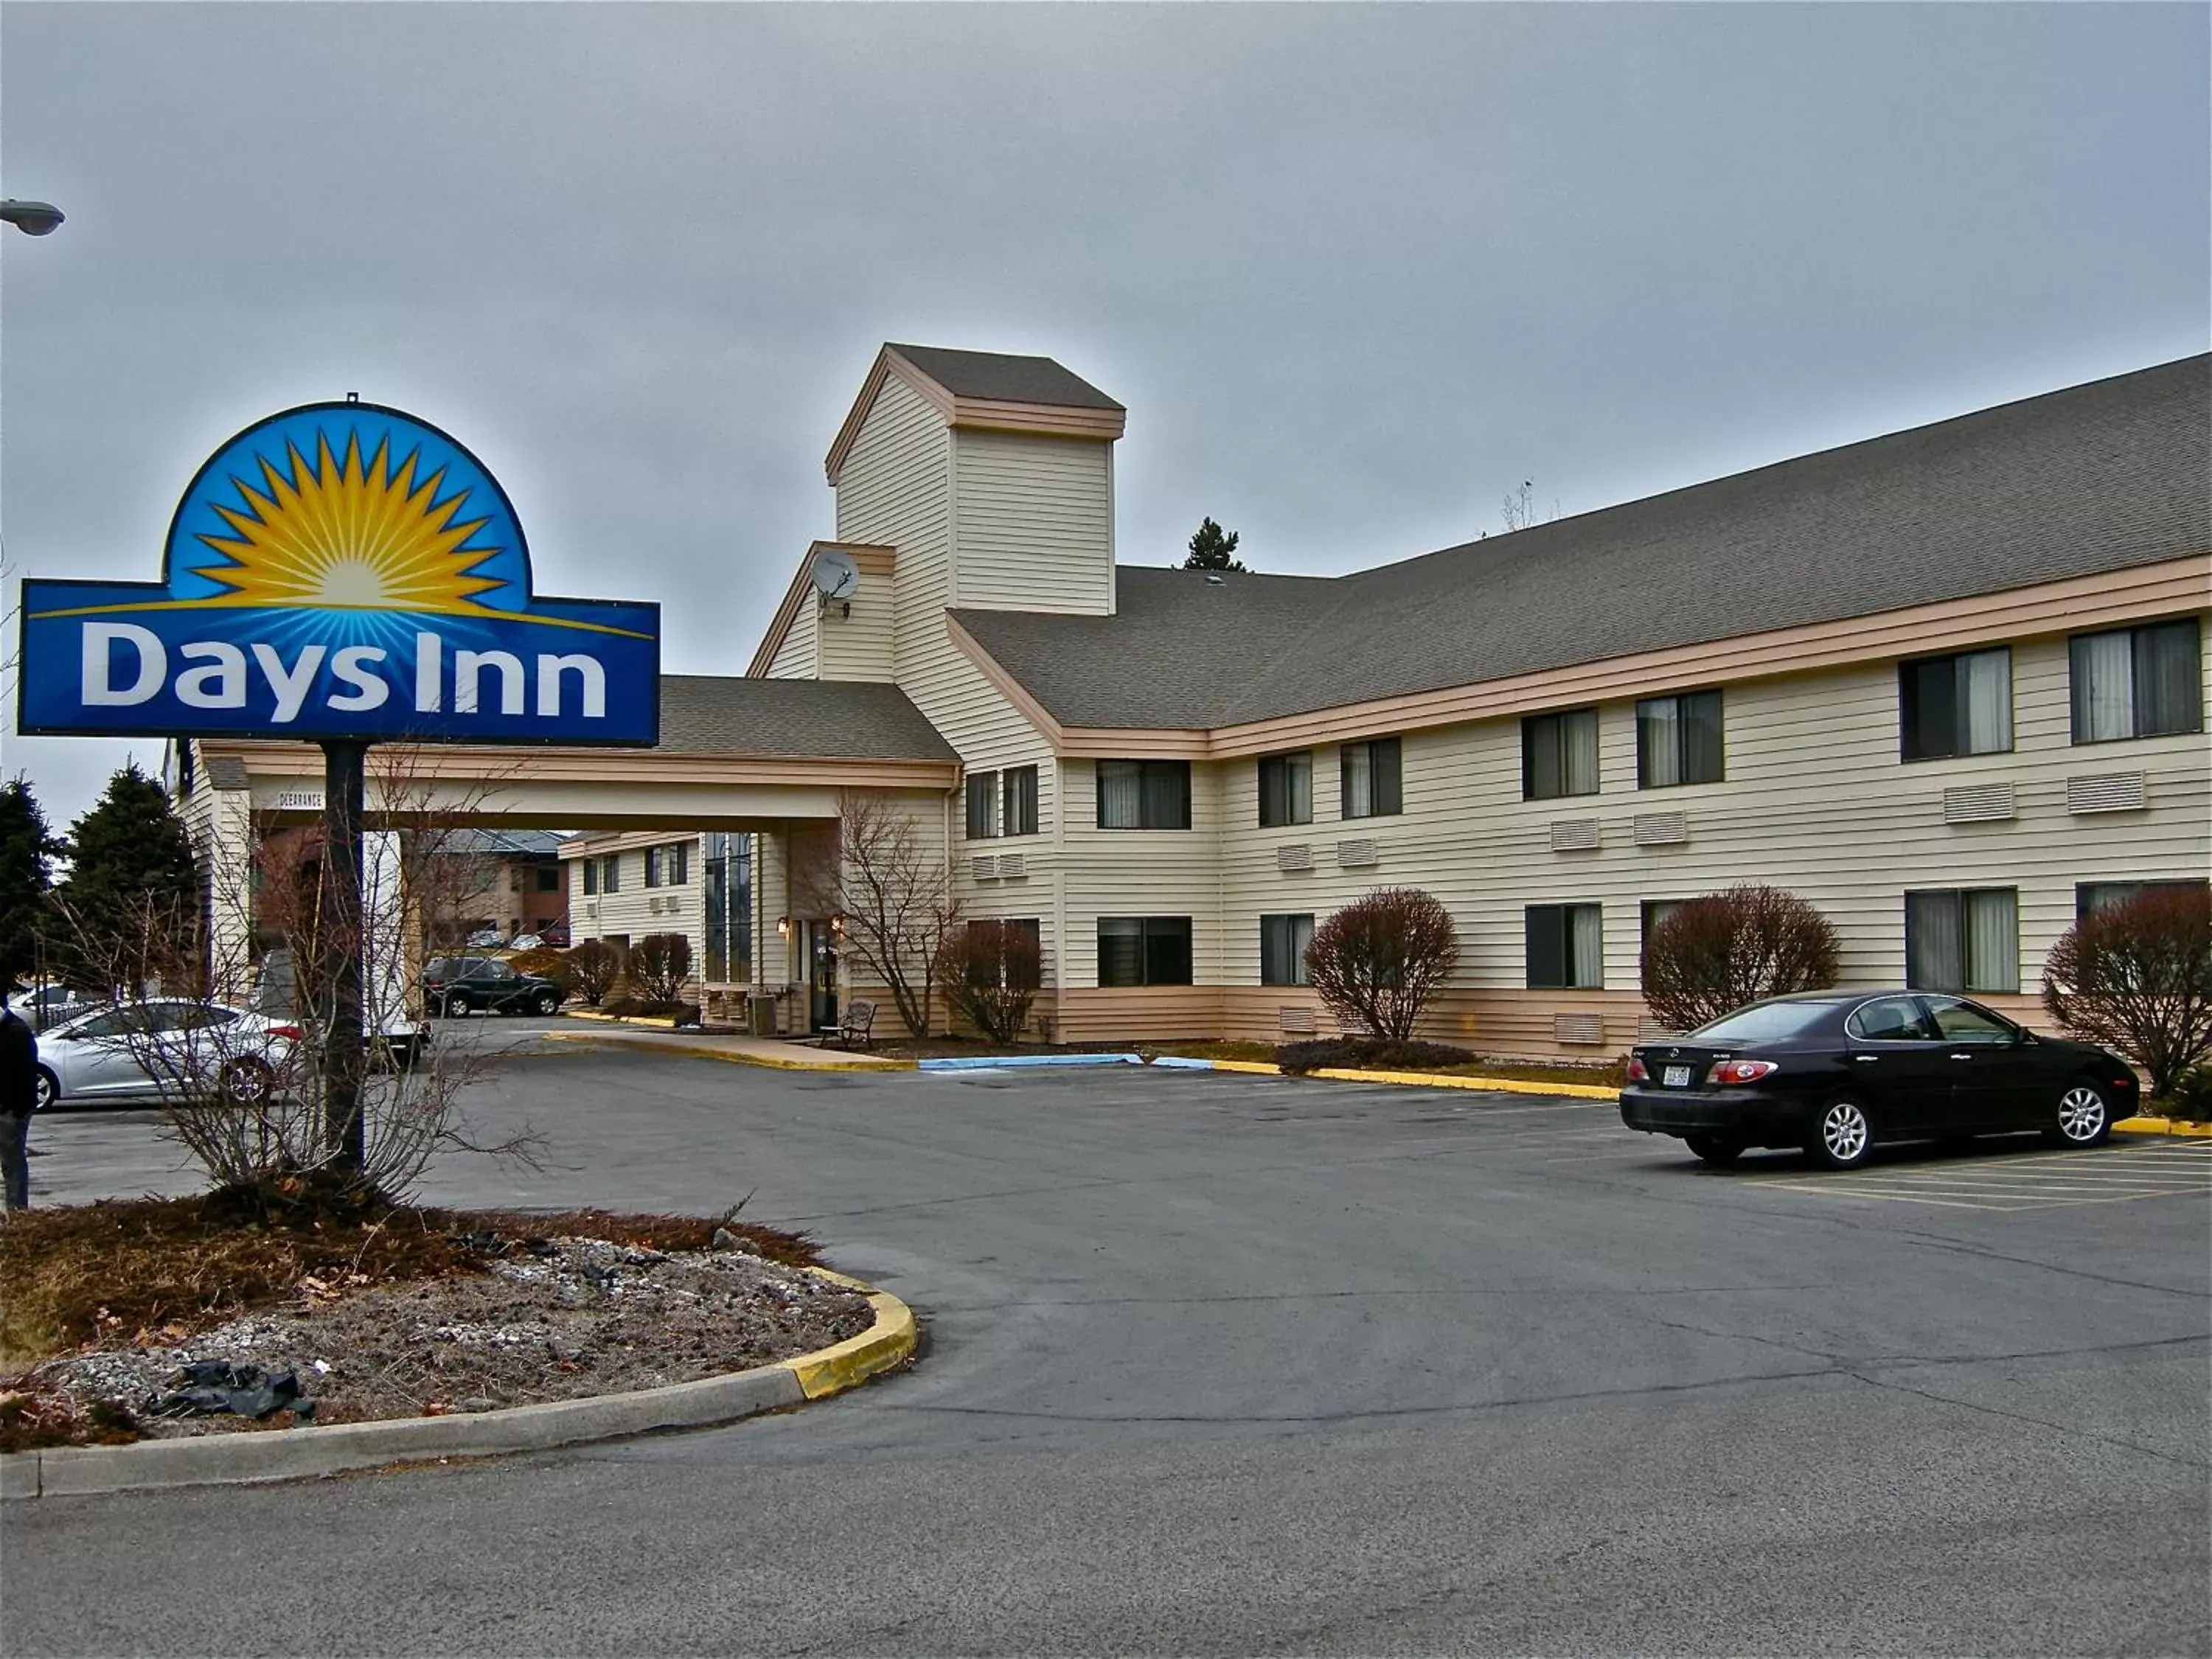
147 1269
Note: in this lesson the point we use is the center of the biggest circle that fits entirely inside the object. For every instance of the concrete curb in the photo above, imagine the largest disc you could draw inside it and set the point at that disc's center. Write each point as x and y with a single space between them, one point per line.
1511 1085
770 1062
335 1448
662 1021
986 1063
2177 1129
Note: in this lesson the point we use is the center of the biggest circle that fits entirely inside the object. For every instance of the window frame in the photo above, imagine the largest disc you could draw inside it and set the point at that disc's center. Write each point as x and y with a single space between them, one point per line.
591 877
1146 771
1017 801
1294 805
1385 779
1299 940
2077 690
1971 982
1684 748
982 805
1912 718
1166 931
1553 727
611 873
1557 936
2125 891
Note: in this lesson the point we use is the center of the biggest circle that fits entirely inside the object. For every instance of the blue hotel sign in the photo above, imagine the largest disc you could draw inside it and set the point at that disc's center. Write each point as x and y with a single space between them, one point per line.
340 571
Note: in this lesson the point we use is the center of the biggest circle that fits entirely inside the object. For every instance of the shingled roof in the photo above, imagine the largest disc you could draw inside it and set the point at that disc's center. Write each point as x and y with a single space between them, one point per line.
2095 478
794 720
998 378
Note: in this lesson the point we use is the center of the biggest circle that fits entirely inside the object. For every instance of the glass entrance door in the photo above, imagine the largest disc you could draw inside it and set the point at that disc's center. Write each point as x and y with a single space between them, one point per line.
821 975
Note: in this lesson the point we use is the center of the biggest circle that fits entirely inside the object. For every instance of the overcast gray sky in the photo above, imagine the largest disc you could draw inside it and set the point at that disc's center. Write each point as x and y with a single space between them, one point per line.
1357 272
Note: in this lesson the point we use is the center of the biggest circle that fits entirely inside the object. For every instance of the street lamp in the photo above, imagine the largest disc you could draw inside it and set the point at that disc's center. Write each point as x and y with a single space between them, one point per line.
32 218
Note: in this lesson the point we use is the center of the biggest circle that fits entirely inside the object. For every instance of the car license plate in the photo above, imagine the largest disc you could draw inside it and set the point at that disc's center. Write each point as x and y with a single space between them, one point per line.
1677 1077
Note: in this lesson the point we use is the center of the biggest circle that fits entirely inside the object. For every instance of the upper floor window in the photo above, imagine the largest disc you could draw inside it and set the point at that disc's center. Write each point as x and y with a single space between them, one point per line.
1017 796
591 876
1370 778
1144 950
1559 755
1286 789
1655 911
611 873
1153 794
2137 682
667 866
1566 947
982 805
1283 942
1960 705
1678 740
548 878
1962 938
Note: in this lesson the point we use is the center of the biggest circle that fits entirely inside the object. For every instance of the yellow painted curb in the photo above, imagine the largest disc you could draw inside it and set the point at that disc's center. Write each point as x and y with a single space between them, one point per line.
701 1051
1254 1067
2179 1129
847 1365
1511 1085
660 1020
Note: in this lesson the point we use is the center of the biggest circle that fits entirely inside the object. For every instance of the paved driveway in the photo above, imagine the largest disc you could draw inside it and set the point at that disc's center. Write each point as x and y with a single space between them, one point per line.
1234 1365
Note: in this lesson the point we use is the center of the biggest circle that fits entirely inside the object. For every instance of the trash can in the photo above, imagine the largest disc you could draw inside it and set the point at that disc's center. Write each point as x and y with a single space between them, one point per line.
760 1014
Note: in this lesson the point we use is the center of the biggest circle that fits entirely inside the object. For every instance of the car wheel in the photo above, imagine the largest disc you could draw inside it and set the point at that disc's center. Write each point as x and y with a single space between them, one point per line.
1712 1149
49 1090
1843 1138
245 1082
547 1003
2084 1117
457 1005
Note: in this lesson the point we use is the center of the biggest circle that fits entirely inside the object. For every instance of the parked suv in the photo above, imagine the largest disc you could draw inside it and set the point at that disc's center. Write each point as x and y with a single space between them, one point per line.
454 986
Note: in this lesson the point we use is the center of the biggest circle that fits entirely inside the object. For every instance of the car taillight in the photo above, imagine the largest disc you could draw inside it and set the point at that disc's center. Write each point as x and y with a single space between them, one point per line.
1741 1071
291 1031
1636 1072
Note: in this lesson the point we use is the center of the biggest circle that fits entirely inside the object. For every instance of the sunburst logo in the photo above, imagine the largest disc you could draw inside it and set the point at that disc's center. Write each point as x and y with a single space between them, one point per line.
337 532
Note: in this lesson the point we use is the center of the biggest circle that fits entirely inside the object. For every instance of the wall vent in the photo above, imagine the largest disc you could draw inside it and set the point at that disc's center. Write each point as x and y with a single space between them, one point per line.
1978 803
984 866
1357 855
1297 855
1013 866
1578 1028
1295 1022
1649 1029
652 905
2109 792
1574 835
1662 828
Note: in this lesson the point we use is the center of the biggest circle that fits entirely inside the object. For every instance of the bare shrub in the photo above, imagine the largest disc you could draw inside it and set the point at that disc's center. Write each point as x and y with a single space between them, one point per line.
659 965
895 894
1717 953
593 967
1380 960
991 971
2138 977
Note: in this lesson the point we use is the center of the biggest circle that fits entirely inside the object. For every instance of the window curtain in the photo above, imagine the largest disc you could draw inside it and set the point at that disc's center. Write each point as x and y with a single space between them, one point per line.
1992 939
1019 792
982 817
1297 788
2168 694
1935 941
1283 942
1659 742
1586 946
2104 687
1120 950
1986 695
1358 781
1120 794
1167 795
1704 745
1578 752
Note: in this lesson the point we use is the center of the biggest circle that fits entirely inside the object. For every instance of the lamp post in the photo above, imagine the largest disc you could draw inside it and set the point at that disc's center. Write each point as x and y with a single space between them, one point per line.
32 218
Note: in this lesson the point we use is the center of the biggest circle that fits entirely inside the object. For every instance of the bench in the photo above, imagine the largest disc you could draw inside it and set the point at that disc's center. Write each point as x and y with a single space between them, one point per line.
852 1026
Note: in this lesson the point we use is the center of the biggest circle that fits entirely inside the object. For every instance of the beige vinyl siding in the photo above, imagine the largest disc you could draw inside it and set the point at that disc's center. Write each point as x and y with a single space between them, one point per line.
1034 525
796 658
637 909
1142 873
863 645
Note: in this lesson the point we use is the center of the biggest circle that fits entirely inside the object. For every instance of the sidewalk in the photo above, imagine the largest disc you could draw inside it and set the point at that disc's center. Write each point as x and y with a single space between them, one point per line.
741 1050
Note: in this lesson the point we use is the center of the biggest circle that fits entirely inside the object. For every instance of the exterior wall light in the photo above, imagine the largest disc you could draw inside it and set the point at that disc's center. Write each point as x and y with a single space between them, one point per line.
783 928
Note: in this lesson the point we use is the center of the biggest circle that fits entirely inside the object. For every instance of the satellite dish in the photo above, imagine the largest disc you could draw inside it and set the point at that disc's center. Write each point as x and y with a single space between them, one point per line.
835 576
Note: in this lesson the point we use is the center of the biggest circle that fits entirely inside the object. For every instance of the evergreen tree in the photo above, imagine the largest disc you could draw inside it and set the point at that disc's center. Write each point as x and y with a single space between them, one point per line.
131 904
1213 548
26 846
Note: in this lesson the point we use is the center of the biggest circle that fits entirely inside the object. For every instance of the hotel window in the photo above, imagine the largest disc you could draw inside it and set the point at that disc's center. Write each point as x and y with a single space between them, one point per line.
1286 789
1959 705
1017 793
1678 740
1962 938
1004 935
667 866
591 876
1559 755
2137 683
1283 941
1369 781
2090 896
727 896
1144 794
548 878
1566 947
1143 950
982 805
1657 910
611 873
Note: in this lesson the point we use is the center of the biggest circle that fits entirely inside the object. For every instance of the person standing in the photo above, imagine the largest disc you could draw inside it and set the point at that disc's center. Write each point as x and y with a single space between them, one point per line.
19 1099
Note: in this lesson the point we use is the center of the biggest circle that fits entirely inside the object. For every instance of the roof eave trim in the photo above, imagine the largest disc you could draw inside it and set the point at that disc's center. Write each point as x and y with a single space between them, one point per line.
794 596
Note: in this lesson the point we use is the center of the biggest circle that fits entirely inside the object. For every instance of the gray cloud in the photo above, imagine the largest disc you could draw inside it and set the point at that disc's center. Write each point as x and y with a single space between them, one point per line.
1355 272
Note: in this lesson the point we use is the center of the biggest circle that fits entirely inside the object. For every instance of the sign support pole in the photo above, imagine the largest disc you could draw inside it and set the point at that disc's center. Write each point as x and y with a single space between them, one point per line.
344 939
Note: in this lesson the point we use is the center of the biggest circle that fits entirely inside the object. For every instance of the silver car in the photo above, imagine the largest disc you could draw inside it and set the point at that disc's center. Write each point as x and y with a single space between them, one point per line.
115 1053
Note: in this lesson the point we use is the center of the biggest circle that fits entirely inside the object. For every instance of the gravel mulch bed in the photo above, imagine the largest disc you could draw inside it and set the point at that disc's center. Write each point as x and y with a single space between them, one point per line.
548 1319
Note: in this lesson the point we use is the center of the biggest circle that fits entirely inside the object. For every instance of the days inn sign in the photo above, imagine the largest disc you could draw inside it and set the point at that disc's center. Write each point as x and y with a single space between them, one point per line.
340 571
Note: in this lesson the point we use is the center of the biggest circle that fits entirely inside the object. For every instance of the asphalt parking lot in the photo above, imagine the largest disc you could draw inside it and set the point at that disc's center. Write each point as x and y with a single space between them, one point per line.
1244 1364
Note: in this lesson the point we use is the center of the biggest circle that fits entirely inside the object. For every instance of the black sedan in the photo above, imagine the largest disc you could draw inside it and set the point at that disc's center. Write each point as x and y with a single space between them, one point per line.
1835 1072
454 986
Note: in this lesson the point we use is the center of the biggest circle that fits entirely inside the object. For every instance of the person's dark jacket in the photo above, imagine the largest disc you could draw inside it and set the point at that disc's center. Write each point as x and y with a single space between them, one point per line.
19 1066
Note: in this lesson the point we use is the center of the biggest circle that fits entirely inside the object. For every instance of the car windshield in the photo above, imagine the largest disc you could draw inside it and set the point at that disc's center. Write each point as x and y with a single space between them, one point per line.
1765 1021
